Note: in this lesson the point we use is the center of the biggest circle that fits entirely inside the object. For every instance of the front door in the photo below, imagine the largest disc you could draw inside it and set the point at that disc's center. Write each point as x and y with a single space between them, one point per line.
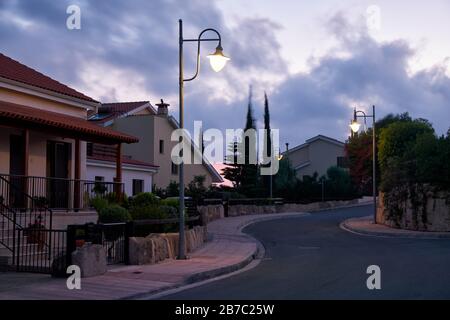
58 155
17 171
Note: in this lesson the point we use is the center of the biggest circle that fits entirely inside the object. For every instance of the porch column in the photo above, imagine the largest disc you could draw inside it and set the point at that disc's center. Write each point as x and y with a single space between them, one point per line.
77 185
117 186
26 158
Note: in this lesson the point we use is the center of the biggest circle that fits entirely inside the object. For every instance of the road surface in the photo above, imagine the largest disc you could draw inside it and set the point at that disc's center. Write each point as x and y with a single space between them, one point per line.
312 258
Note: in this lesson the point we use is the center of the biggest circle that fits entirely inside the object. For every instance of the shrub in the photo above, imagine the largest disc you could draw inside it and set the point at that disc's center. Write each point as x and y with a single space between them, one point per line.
169 211
150 211
113 213
171 202
144 199
98 203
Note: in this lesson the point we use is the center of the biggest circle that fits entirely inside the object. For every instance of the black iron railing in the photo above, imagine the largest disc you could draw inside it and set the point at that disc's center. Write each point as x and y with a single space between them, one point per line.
54 193
41 250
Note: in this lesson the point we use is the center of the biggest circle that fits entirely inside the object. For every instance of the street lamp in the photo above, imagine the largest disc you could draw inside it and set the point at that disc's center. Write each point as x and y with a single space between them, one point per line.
355 126
217 61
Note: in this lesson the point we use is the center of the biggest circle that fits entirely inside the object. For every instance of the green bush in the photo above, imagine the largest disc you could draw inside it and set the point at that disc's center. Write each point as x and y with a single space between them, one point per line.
171 202
98 203
169 211
112 198
113 213
150 211
144 199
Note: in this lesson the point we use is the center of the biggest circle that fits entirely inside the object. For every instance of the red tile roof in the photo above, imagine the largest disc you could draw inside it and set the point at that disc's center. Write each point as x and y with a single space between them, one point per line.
109 111
14 70
43 119
125 159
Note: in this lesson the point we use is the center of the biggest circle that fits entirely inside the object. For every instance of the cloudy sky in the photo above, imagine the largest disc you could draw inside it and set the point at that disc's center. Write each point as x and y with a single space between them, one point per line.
315 59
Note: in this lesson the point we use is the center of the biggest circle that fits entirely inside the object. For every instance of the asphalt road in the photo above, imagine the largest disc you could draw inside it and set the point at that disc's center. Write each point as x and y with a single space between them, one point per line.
312 258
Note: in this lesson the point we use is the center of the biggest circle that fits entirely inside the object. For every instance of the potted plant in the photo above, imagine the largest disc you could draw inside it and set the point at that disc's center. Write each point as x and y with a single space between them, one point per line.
35 233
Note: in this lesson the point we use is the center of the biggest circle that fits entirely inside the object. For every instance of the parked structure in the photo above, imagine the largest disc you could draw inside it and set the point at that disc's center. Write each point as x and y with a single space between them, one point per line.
154 128
317 155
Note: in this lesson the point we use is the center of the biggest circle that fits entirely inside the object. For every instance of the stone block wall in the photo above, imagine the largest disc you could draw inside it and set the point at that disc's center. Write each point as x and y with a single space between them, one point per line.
157 247
428 211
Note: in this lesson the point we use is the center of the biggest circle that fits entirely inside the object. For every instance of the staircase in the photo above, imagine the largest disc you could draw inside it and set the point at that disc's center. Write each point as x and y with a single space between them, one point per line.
25 233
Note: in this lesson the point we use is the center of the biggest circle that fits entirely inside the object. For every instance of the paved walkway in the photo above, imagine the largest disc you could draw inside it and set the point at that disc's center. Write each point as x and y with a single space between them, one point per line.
365 226
228 251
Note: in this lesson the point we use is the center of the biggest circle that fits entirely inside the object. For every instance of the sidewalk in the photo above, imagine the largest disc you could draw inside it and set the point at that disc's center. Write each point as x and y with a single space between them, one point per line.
365 226
228 251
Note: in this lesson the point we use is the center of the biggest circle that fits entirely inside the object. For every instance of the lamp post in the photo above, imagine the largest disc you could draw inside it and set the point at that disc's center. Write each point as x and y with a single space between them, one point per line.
217 60
355 128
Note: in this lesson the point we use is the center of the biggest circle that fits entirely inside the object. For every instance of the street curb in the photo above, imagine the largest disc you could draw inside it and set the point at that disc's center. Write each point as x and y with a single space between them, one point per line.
405 234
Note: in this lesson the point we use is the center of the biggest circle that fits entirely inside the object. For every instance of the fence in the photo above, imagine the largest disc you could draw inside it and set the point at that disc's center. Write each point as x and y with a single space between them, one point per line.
55 193
41 250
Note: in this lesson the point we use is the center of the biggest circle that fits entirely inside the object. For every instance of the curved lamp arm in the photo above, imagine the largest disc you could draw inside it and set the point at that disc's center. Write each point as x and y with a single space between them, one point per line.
199 40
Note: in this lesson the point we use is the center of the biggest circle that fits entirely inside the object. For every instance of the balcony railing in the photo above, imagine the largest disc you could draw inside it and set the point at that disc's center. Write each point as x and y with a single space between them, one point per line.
55 193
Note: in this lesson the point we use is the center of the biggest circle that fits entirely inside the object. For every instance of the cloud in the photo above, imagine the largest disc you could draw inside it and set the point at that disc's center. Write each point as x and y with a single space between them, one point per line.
128 50
371 72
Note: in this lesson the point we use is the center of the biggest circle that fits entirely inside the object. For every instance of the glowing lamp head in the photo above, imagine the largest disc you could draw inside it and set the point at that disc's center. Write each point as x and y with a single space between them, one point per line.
355 126
217 59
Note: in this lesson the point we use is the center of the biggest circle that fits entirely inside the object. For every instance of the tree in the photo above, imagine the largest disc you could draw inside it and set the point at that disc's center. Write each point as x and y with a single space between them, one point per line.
267 147
233 171
402 146
249 172
359 152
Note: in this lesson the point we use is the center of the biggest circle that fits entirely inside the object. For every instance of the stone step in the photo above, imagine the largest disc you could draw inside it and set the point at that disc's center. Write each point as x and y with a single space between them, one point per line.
31 259
24 247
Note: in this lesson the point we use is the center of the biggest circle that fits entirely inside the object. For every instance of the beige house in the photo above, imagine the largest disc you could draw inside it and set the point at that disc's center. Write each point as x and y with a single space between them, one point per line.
43 136
316 155
153 127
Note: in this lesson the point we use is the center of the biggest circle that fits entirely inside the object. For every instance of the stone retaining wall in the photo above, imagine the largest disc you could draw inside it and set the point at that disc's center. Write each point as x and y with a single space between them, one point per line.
213 212
210 213
429 212
157 247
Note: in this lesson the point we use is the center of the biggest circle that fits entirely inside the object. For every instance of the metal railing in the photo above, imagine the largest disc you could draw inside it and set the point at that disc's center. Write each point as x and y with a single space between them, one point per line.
41 250
54 193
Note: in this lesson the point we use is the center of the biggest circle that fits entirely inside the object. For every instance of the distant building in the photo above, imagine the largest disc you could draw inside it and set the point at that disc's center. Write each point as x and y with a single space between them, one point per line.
317 155
154 128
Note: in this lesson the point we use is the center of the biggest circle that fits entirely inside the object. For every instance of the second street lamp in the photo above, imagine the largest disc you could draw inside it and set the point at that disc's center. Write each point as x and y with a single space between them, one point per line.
355 128
217 60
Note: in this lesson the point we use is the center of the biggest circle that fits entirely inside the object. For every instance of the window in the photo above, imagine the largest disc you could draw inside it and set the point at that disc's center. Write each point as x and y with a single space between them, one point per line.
342 162
89 149
138 186
161 146
174 168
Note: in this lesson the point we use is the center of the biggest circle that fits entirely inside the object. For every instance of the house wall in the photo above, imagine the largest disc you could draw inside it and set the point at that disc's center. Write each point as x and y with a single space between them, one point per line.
151 129
37 162
41 103
128 174
321 155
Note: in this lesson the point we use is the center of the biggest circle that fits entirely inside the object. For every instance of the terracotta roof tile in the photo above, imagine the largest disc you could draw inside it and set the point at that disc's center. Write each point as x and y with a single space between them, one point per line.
14 70
46 119
108 111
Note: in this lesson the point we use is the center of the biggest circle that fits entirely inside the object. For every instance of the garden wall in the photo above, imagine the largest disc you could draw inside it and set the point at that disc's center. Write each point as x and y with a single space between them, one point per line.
157 247
417 207
213 212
